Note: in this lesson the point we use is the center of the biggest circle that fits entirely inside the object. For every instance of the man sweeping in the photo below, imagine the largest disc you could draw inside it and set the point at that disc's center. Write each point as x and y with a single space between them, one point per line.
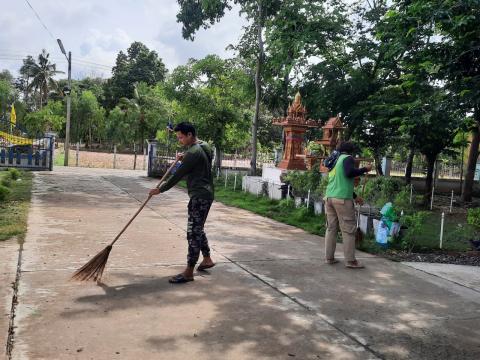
196 166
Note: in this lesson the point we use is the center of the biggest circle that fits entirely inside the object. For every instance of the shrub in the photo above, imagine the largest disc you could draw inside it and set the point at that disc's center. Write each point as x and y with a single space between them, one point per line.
413 226
381 190
299 182
402 201
6 181
302 181
315 149
4 191
462 233
473 217
14 173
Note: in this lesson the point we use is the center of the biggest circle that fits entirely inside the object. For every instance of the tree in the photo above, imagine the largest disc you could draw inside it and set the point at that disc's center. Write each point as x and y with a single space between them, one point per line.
156 110
139 64
351 72
51 117
88 118
447 35
299 31
437 124
194 14
7 96
382 113
6 76
120 125
212 93
42 74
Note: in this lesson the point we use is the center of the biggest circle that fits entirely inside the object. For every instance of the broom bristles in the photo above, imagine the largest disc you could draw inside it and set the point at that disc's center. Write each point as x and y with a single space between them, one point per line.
93 270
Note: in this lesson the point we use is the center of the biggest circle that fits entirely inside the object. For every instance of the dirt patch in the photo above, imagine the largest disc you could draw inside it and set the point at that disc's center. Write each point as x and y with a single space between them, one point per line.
104 160
471 258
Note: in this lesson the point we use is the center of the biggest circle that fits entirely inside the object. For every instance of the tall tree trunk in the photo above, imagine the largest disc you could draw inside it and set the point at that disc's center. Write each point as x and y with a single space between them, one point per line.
41 99
378 164
258 90
429 179
467 187
285 92
90 136
408 169
143 138
25 93
218 159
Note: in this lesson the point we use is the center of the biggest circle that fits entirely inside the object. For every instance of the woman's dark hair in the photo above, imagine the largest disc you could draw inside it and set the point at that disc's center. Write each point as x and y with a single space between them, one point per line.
347 147
185 128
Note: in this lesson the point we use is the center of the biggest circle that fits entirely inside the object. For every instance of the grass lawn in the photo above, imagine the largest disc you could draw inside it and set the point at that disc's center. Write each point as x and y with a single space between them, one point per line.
452 238
285 212
455 236
59 158
282 211
14 209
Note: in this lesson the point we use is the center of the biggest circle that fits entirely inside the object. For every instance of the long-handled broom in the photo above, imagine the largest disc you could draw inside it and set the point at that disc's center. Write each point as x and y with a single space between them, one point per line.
93 270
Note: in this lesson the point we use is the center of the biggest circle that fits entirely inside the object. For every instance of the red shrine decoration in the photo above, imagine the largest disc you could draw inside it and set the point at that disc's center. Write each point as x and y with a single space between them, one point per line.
332 132
294 126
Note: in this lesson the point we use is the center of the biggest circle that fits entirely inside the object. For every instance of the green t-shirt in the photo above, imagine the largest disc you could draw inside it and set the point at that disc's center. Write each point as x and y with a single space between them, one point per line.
197 167
339 185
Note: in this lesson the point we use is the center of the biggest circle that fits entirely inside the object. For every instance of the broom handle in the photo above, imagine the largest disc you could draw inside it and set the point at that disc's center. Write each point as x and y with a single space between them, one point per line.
144 203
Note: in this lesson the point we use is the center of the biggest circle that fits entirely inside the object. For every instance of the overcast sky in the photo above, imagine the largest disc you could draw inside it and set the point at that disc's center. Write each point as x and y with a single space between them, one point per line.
95 31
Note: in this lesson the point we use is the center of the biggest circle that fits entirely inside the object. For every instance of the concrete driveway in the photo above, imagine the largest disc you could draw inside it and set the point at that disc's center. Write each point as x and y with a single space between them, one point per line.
270 296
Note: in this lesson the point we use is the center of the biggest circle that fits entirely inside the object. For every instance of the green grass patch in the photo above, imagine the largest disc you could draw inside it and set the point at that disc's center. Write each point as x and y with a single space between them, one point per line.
59 158
283 211
14 208
455 238
456 234
369 245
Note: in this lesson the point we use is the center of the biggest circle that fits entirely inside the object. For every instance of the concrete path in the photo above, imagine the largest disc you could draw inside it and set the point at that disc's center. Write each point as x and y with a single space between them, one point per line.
8 270
464 275
270 296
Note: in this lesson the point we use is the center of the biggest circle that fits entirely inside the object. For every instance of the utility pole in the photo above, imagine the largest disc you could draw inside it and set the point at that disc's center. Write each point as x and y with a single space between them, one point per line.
67 92
69 100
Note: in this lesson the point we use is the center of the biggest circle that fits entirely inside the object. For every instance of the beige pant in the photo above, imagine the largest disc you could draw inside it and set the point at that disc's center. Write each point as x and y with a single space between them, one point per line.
340 212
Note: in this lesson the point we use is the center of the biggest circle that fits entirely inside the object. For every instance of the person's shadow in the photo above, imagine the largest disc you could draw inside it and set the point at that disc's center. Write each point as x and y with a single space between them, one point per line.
138 291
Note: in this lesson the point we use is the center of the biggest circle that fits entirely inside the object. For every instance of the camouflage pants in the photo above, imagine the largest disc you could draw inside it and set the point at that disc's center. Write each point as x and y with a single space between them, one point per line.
197 240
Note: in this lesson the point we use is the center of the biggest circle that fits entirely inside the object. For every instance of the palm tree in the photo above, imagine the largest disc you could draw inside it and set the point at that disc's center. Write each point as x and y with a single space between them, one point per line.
26 73
42 74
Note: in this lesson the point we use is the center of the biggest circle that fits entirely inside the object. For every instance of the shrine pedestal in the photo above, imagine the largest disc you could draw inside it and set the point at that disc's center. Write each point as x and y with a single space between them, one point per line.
272 174
268 184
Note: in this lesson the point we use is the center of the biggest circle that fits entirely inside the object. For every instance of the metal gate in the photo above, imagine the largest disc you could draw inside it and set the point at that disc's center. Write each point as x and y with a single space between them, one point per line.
19 151
159 160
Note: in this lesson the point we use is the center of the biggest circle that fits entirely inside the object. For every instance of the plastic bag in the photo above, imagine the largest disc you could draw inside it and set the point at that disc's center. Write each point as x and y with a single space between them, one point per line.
389 215
382 233
388 212
395 229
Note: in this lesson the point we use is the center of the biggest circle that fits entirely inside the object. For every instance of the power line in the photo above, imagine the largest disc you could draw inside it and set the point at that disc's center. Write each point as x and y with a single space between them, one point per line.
77 65
20 56
39 19
94 63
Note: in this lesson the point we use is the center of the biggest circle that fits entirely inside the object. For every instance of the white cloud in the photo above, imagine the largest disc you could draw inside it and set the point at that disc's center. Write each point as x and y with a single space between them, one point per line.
96 31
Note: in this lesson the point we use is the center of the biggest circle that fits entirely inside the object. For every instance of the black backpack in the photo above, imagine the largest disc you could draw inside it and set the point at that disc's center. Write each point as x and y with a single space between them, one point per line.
331 160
